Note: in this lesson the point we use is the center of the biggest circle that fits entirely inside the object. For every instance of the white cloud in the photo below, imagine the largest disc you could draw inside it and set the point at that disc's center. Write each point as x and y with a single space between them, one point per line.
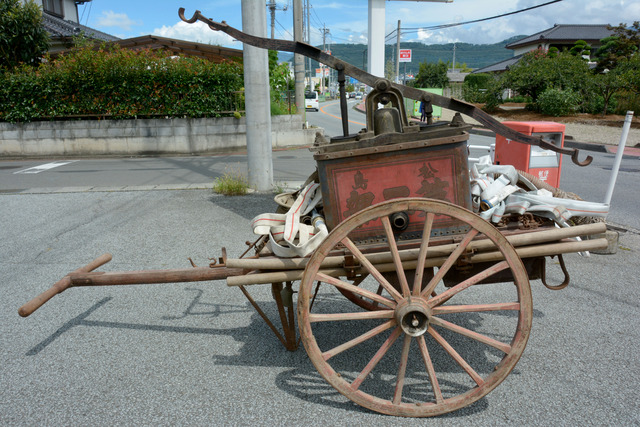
197 32
566 12
116 20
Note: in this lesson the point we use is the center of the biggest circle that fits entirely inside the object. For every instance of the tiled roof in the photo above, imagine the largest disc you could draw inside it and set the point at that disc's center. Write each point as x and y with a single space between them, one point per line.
212 53
565 33
57 27
499 66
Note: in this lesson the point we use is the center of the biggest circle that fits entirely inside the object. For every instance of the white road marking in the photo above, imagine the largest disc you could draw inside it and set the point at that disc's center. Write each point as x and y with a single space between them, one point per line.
45 167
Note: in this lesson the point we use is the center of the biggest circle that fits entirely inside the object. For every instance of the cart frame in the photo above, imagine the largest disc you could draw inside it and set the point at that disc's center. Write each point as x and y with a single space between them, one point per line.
405 304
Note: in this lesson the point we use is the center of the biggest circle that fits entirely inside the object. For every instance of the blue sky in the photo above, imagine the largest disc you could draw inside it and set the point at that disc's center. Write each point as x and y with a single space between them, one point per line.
347 20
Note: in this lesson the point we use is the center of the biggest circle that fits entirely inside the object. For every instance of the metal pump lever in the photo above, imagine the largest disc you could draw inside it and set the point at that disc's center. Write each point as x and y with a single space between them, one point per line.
371 80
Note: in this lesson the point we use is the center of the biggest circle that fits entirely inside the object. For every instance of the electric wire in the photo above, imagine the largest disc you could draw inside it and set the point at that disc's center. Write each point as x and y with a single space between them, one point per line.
409 30
284 29
86 23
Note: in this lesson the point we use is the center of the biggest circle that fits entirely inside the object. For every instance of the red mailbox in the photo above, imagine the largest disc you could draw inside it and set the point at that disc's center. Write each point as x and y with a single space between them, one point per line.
544 164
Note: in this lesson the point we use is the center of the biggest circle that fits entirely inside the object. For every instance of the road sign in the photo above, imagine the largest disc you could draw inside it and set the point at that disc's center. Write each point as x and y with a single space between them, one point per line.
405 55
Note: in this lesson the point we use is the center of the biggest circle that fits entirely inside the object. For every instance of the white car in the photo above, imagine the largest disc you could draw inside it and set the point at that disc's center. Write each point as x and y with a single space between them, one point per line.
311 101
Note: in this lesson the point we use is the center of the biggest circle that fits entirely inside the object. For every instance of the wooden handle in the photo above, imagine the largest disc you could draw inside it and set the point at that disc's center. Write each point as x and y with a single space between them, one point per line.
60 286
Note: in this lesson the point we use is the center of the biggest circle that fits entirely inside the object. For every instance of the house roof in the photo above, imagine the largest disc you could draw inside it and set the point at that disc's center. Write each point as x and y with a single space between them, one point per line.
456 76
60 28
207 51
561 33
499 66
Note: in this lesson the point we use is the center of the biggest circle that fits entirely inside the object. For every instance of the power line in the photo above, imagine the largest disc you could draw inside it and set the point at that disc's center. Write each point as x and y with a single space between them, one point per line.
84 9
442 26
317 19
285 30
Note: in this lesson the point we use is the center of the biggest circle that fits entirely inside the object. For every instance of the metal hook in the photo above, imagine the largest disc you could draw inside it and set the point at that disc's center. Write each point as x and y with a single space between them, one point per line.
193 19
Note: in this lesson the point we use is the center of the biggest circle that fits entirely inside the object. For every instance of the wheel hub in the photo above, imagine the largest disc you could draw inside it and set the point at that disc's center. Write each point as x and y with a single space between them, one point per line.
413 316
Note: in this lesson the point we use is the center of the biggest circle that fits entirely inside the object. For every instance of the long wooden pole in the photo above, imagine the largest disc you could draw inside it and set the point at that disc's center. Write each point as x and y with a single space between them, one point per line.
517 240
523 252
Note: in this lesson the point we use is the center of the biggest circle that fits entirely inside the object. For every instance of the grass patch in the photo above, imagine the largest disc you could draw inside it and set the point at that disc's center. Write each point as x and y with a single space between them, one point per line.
231 184
279 188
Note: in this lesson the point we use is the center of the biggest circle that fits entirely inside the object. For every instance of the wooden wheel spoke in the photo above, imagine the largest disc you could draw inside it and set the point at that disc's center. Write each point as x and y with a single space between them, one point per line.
355 289
422 256
456 356
402 370
476 278
433 378
503 347
371 269
411 392
358 340
376 358
395 255
450 261
360 315
476 308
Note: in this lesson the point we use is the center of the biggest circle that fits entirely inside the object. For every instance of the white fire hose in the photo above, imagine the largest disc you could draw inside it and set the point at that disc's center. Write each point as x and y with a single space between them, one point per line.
494 194
288 237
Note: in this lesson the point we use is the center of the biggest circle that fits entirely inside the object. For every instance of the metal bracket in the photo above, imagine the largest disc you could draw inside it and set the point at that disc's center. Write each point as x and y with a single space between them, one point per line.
543 275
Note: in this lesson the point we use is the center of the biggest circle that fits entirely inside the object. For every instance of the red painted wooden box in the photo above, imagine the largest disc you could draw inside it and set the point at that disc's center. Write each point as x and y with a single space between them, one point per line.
357 174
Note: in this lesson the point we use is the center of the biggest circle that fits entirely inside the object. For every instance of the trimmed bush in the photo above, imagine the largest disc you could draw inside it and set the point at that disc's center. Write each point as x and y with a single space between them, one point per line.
556 102
120 84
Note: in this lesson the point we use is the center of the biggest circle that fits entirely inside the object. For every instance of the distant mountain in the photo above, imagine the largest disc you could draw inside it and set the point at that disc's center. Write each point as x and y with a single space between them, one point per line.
474 55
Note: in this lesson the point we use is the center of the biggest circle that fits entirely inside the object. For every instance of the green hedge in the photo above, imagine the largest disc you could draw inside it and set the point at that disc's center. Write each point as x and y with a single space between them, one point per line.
557 102
119 83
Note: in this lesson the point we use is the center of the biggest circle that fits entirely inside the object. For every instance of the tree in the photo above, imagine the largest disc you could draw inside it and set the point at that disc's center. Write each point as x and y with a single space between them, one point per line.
623 78
281 85
432 75
580 48
23 39
461 68
538 71
623 44
390 71
608 84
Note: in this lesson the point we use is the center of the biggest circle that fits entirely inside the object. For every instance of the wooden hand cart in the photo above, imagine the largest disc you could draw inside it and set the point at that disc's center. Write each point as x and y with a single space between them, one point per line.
413 305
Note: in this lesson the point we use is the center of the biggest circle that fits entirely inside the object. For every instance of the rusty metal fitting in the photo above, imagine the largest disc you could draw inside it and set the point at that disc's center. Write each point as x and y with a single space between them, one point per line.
383 85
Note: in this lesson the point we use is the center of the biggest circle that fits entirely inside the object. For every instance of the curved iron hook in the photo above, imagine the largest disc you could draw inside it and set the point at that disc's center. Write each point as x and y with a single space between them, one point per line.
193 19
574 159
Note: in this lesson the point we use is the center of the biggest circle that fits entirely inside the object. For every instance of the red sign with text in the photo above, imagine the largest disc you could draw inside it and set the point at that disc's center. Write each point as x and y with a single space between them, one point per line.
405 55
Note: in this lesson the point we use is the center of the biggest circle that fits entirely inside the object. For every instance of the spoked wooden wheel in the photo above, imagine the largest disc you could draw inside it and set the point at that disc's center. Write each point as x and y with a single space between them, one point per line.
418 355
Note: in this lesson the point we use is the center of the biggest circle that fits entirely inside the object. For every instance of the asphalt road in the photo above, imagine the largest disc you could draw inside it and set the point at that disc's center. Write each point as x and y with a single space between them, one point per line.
198 354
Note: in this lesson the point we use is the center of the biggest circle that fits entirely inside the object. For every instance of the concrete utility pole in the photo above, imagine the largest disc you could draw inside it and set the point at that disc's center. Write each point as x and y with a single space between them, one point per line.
398 54
325 31
453 68
376 34
376 37
308 41
298 60
257 100
272 10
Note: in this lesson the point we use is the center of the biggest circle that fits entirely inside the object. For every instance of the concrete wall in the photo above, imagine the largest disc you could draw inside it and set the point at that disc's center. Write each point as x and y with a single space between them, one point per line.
143 136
